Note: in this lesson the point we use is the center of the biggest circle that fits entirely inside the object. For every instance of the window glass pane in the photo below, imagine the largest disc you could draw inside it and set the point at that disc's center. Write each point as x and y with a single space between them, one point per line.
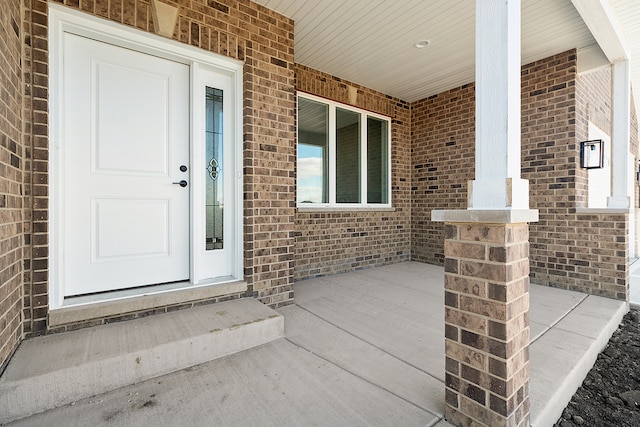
214 187
347 156
377 161
313 151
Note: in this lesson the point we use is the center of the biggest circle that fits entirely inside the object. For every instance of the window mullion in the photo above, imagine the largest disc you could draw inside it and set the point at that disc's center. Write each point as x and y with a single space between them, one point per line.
389 176
332 154
363 160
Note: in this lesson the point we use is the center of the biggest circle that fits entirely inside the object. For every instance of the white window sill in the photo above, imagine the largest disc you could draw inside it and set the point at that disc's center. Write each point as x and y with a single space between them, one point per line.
334 208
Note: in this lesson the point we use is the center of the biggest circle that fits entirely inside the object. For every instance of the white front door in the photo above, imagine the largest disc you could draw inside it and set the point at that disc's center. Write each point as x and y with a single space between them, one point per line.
145 163
126 124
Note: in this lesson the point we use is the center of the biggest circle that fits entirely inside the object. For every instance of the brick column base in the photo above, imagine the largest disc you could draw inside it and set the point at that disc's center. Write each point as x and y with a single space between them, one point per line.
487 324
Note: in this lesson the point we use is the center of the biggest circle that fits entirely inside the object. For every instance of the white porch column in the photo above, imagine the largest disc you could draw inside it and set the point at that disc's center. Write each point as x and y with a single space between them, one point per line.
498 184
486 246
607 30
621 179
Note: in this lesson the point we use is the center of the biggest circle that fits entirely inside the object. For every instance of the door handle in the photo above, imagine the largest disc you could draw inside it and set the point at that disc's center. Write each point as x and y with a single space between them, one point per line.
182 183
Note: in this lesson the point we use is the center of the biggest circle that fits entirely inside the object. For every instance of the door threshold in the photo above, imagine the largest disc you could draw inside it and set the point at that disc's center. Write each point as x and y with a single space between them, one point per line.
87 307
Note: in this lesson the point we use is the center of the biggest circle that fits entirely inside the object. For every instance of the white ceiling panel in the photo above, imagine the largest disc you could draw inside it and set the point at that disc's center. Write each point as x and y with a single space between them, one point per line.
370 42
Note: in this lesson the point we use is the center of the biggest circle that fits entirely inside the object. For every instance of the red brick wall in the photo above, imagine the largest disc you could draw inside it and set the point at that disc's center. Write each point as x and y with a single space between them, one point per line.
12 163
574 251
243 30
335 241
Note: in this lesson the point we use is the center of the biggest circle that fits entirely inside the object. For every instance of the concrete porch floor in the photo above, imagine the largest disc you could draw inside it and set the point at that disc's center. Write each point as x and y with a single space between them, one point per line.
360 349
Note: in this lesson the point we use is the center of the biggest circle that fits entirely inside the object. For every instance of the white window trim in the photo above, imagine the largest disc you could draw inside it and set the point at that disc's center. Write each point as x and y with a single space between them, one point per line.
332 205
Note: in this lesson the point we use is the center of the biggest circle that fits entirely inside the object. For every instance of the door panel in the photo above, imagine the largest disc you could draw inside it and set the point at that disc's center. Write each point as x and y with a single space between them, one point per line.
140 127
143 224
125 136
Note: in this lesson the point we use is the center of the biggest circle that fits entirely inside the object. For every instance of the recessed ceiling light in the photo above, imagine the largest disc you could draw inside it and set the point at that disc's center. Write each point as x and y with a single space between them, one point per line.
422 43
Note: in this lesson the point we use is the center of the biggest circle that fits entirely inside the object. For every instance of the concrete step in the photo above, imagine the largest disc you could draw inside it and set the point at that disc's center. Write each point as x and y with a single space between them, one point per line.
54 370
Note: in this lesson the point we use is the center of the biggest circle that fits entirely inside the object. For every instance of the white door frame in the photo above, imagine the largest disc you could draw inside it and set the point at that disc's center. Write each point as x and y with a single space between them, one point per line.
63 19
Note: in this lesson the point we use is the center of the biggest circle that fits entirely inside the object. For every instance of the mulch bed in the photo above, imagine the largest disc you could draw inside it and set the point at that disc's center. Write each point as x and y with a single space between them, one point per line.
610 395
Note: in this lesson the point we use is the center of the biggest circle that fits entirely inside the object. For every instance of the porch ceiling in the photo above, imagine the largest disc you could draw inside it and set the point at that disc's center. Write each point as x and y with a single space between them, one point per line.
370 42
628 12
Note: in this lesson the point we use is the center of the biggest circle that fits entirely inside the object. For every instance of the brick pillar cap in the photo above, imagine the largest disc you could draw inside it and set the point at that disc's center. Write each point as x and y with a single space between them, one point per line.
499 216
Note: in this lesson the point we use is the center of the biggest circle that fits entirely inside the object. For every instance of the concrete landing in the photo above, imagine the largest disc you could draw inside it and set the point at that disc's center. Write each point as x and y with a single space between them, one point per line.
50 371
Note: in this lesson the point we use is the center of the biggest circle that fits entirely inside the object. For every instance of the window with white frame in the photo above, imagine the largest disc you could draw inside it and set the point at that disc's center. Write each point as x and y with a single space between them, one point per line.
343 155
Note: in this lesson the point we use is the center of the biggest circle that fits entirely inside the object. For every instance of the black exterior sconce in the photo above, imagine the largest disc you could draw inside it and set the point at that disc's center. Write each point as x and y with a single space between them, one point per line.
592 154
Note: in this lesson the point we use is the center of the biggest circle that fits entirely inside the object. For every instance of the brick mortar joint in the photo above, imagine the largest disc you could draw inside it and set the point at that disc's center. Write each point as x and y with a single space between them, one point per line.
487 318
487 408
485 281
486 333
486 299
489 392
486 260
488 263
499 340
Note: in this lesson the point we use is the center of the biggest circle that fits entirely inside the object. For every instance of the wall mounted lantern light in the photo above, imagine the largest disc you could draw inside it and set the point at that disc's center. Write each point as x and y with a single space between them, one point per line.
592 154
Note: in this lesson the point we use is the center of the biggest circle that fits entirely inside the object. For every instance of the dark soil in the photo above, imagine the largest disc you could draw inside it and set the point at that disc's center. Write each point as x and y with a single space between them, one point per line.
610 395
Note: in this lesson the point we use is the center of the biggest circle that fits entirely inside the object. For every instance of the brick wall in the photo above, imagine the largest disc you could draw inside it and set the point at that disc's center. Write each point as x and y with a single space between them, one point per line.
487 324
11 177
550 162
35 90
443 149
336 241
591 250
581 252
243 30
